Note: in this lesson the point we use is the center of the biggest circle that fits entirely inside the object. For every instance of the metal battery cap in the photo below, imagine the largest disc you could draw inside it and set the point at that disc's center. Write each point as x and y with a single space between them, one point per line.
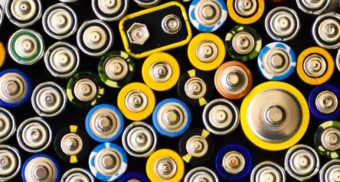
202 174
77 174
85 90
326 30
245 11
268 171
71 144
10 162
197 146
171 24
195 88
13 87
7 125
330 139
313 7
110 10
243 43
245 8
326 102
138 34
330 171
23 13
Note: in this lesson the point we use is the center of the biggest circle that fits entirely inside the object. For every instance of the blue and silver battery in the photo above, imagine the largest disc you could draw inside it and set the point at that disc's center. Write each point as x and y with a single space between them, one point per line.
10 163
171 117
134 176
104 123
276 61
207 16
233 162
15 88
108 162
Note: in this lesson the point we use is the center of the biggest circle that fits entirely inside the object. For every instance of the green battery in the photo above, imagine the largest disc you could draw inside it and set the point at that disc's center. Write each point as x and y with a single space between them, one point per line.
327 139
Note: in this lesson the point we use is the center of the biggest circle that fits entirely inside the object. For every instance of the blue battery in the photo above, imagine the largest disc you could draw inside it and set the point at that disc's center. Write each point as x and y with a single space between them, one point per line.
123 162
119 124
210 23
28 89
247 162
130 176
185 125
57 172
318 101
272 61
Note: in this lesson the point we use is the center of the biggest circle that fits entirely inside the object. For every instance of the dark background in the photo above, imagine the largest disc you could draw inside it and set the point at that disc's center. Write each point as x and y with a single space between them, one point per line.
72 115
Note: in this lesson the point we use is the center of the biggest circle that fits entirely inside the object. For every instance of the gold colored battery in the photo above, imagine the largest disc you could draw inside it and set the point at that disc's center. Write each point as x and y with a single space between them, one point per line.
245 14
2 54
160 71
206 51
165 165
315 66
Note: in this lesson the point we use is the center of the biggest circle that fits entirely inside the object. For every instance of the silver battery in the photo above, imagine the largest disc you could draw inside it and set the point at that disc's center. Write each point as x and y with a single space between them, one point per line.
10 162
195 88
13 87
26 46
23 13
268 171
7 125
77 175
136 101
220 116
105 123
48 99
201 174
172 117
147 3
110 10
94 37
313 7
59 21
233 162
171 24
302 162
139 139
282 23
326 102
330 172
326 30
62 59
337 60
165 168
315 65
40 169
160 71
34 135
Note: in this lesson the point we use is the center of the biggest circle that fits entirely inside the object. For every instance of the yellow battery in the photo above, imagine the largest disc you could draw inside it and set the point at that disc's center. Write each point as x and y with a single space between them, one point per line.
245 16
170 29
206 51
165 158
136 101
315 66
160 71
2 54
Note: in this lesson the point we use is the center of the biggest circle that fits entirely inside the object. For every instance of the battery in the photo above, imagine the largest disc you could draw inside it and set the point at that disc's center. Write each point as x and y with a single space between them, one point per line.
233 80
134 176
147 3
7 125
77 174
160 71
233 162
329 171
109 10
282 23
10 162
104 123
280 122
71 144
195 88
220 116
326 28
2 51
62 59
84 89
302 162
48 99
206 51
171 117
23 13
108 162
136 101
201 174
243 43
165 165
139 139
207 15
26 46
315 66
313 7
15 88
40 167
276 61
60 21
324 101
94 37
34 135
327 139
116 69
245 12
196 147
268 170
